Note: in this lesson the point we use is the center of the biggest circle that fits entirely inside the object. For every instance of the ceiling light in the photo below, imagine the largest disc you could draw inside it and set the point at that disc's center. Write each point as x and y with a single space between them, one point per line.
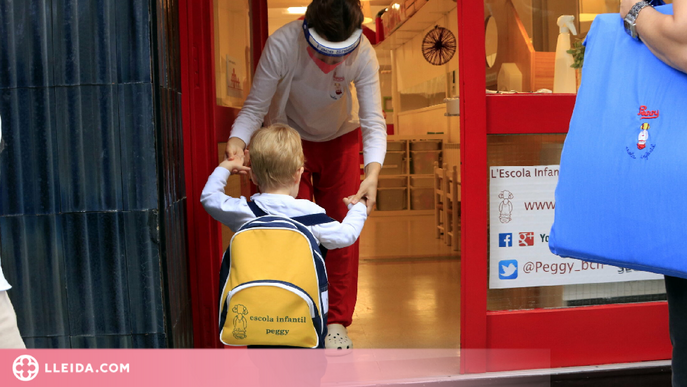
296 10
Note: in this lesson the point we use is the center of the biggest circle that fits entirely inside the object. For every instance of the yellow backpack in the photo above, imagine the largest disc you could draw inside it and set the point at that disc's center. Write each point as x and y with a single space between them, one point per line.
273 284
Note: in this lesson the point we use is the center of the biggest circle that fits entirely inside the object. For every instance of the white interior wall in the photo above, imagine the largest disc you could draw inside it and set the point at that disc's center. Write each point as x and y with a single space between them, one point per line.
421 121
413 69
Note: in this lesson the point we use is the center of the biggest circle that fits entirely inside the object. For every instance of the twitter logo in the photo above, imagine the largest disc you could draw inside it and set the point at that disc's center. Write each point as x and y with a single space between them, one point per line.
508 269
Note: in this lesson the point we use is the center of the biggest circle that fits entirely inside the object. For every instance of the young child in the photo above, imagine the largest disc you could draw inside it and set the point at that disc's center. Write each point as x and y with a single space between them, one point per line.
277 160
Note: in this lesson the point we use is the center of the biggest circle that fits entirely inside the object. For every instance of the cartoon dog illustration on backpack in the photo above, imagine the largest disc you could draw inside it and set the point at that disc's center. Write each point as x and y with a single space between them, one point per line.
240 322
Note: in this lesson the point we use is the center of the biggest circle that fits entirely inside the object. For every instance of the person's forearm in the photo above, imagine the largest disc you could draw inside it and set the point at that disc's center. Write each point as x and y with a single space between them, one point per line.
250 118
374 144
213 194
337 235
372 123
219 205
373 169
666 35
238 142
256 106
216 182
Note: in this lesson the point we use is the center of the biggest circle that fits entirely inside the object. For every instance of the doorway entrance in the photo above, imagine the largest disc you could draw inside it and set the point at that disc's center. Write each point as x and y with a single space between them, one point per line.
412 282
409 276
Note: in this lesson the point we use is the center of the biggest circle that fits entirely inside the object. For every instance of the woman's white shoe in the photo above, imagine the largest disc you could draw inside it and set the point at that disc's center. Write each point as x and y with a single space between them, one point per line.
337 337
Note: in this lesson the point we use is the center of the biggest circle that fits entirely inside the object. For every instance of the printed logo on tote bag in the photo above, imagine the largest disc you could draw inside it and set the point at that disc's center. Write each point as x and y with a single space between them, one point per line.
644 149
646 114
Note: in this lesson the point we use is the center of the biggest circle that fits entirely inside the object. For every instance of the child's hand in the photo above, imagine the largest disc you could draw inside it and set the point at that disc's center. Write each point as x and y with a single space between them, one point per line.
349 199
235 165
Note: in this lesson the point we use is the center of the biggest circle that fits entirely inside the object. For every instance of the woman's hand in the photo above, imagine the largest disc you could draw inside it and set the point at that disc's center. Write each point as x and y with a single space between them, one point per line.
368 187
235 148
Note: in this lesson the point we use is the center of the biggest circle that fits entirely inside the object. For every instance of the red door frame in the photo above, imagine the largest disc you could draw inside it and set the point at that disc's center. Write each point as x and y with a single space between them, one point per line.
205 124
574 336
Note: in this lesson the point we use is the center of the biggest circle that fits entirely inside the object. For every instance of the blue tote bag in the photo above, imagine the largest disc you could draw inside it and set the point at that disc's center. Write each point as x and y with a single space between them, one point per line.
621 197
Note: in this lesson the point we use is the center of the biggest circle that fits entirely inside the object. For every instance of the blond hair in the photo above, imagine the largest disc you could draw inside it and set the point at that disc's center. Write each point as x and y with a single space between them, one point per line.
276 154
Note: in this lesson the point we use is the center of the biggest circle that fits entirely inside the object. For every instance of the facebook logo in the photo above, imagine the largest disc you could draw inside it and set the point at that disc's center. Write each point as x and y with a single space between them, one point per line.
506 240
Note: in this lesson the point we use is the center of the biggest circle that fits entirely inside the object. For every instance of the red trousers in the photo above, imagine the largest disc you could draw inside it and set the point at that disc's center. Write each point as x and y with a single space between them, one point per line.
332 172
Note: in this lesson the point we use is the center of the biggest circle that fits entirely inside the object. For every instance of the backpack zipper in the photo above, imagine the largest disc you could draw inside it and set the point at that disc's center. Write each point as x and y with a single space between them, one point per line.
279 284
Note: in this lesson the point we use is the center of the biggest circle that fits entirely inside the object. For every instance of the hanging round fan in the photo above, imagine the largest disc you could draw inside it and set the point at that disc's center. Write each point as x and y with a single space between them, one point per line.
439 46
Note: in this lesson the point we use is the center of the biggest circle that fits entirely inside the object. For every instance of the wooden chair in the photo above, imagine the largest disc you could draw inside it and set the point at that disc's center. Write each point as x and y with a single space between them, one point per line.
447 205
453 210
439 215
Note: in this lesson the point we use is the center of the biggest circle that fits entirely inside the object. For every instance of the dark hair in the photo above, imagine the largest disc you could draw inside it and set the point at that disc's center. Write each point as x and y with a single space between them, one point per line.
335 20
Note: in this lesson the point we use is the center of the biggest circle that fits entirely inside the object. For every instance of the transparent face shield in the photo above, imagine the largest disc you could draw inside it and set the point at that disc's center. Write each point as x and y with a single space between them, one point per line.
328 55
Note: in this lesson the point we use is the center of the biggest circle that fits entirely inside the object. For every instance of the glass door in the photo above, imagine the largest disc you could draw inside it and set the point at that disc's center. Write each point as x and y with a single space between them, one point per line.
528 308
220 41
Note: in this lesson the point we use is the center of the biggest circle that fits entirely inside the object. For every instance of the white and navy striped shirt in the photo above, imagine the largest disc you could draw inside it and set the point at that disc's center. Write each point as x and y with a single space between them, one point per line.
234 212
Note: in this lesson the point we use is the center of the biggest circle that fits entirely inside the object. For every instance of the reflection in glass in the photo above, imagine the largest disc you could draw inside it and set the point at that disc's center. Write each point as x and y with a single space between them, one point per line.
527 33
425 94
232 51
525 150
491 41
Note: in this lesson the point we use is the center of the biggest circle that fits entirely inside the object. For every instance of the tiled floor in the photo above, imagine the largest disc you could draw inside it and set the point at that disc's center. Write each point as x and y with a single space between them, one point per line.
409 286
401 236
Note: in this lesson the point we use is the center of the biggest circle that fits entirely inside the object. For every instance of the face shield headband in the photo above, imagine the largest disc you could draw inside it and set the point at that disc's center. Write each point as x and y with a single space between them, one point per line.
325 47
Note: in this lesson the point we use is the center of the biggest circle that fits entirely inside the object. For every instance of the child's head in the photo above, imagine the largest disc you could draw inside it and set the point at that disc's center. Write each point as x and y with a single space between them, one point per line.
276 156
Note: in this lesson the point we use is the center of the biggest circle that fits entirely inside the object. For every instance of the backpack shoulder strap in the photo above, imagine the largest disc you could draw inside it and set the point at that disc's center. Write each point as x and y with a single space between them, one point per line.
307 220
256 210
313 219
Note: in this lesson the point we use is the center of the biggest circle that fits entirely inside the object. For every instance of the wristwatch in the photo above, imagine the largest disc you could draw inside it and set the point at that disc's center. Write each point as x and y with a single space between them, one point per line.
630 21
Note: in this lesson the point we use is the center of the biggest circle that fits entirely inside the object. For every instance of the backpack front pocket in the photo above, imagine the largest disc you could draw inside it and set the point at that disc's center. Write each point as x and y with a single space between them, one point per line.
271 313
